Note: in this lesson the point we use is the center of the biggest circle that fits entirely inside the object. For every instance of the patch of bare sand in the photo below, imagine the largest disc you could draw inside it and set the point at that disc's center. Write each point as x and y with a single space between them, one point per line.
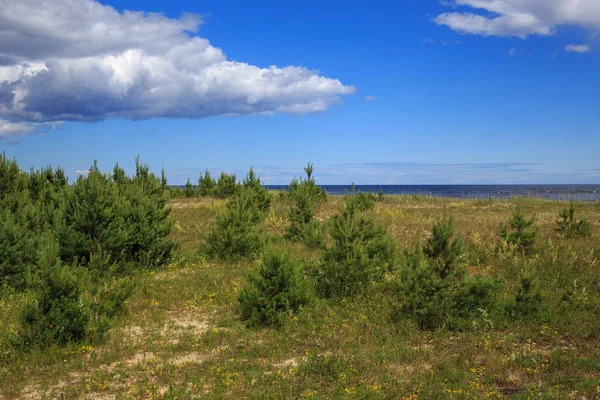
190 358
140 358
291 363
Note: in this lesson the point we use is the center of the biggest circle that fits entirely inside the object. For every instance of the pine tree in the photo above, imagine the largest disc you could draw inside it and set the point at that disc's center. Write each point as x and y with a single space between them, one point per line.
189 189
568 226
361 253
59 315
207 185
443 247
260 195
226 185
434 290
520 231
276 291
236 233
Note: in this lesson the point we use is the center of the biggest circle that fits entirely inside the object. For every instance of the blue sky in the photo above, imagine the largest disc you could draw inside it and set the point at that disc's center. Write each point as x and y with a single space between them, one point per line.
406 92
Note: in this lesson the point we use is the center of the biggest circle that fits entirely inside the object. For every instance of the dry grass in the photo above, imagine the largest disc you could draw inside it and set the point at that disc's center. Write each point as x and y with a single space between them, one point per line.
182 338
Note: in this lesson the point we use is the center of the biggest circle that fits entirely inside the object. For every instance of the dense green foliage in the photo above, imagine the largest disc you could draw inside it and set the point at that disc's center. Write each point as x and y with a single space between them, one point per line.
206 184
273 293
106 223
360 255
237 233
303 226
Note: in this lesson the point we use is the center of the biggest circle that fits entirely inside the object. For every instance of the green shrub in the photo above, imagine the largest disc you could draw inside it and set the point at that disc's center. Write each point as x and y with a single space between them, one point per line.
361 253
443 248
260 195
236 233
362 201
309 183
189 189
58 315
528 300
126 221
434 290
207 185
302 225
227 185
520 231
17 250
274 293
110 296
568 226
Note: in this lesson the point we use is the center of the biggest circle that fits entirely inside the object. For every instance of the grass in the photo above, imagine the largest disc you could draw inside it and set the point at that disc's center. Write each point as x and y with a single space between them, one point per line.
183 339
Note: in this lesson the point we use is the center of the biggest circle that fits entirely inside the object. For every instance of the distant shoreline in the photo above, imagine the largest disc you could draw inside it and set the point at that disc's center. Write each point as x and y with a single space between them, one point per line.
577 192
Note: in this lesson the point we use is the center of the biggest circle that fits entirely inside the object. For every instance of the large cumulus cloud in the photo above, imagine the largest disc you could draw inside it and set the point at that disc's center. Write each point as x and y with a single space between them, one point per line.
79 60
520 18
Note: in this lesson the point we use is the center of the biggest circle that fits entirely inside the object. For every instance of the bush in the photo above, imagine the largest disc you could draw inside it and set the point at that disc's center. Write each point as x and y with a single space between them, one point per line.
17 249
259 195
520 231
302 225
274 293
58 315
443 248
236 233
189 190
361 253
528 300
362 201
206 184
128 222
309 183
226 186
568 226
434 290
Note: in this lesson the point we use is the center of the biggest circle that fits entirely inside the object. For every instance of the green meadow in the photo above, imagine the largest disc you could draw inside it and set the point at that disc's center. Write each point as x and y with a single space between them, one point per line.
438 298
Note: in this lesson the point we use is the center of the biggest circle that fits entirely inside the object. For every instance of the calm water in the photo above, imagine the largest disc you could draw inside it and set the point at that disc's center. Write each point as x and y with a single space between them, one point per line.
554 192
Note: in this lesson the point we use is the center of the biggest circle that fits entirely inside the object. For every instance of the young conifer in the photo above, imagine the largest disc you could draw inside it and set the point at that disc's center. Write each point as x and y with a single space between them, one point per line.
274 293
568 226
520 231
236 233
206 184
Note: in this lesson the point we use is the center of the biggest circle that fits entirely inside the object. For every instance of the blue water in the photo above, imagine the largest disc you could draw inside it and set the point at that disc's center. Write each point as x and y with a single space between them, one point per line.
554 192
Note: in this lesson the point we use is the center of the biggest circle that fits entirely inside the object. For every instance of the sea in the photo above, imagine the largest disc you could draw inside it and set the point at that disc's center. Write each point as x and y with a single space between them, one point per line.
552 192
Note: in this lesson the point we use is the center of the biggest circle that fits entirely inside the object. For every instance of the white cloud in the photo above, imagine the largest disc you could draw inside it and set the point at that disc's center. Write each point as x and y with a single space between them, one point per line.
16 129
520 18
79 60
578 48
512 52
11 129
370 98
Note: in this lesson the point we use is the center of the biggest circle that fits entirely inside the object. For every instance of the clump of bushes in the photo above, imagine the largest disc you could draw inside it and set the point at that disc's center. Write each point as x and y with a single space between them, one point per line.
127 220
435 291
520 231
360 255
275 292
64 243
568 226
